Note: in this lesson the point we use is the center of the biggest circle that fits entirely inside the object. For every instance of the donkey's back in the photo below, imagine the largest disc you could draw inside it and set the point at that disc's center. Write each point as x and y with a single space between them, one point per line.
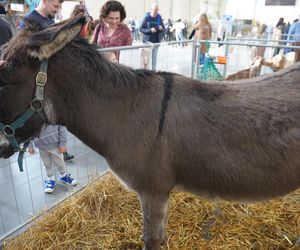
235 140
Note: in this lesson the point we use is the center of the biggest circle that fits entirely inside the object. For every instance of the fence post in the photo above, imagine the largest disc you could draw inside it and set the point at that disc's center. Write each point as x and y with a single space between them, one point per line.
196 58
226 56
193 59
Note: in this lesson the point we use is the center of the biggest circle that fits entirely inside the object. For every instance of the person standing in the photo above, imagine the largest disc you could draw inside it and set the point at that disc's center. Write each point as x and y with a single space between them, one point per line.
153 29
202 32
279 32
178 27
111 31
2 10
169 31
294 37
5 31
44 15
52 143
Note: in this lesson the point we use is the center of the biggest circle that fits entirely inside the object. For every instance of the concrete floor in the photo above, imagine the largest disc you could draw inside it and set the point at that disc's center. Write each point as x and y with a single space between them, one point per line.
22 193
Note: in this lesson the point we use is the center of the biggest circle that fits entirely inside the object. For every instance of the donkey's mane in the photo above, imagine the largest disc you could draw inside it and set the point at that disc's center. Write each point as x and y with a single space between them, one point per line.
16 48
111 70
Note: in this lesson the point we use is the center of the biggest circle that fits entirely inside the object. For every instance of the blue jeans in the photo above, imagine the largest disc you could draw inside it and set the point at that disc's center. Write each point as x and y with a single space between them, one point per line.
201 58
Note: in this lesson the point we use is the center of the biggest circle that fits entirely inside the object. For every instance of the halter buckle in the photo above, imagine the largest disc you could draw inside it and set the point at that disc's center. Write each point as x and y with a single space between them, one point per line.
8 131
41 79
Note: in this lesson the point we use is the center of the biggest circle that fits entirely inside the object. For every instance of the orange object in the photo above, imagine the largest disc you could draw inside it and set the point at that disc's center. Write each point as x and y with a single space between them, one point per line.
222 59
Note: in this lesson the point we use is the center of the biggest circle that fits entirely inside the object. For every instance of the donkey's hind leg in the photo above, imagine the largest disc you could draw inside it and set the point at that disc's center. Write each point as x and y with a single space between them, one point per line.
155 208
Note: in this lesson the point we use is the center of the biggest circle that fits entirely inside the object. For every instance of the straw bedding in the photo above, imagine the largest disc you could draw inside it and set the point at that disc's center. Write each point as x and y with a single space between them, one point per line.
107 216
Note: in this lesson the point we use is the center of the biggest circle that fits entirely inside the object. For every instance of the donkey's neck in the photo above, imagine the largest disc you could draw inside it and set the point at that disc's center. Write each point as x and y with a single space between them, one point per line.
96 108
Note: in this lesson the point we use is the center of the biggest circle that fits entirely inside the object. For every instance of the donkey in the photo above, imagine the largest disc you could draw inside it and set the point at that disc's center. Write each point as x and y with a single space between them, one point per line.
236 141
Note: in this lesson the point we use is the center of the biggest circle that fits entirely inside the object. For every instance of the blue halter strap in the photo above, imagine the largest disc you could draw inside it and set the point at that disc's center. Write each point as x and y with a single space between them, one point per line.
36 106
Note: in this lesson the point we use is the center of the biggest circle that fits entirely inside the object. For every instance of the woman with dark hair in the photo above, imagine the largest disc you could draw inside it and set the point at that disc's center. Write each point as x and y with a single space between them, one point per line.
111 31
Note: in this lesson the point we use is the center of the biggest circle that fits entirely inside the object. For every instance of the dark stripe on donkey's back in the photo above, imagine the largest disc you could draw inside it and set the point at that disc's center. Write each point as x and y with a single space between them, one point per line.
168 86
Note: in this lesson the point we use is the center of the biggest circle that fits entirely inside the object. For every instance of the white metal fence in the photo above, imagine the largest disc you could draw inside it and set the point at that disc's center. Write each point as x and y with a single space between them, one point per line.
22 196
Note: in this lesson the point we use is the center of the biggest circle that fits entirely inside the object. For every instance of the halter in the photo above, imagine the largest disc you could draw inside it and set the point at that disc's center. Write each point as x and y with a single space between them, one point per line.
36 106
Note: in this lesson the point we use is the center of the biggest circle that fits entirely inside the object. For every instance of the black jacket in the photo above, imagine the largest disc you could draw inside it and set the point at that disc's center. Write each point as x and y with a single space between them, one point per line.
152 22
5 31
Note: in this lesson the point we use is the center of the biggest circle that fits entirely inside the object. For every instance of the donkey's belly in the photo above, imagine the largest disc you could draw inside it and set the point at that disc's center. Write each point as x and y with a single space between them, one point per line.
239 188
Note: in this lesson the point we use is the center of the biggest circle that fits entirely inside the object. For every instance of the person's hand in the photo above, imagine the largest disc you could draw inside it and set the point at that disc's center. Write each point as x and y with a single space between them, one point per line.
160 27
153 30
2 62
62 149
31 151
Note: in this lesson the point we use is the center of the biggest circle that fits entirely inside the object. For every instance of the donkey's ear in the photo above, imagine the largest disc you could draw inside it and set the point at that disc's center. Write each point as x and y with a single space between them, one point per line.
45 43
31 25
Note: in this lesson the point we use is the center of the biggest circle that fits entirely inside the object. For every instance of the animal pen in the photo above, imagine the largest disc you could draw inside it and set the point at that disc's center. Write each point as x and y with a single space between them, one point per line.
22 196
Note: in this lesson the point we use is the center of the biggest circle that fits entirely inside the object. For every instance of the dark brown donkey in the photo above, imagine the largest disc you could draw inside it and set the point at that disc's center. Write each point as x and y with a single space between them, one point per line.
235 141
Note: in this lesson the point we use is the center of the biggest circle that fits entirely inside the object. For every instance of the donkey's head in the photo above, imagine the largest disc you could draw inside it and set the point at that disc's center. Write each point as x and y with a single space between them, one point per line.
22 57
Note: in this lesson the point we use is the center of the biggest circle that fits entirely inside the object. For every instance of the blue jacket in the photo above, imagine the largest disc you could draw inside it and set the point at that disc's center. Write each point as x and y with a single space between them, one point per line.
294 32
152 22
43 22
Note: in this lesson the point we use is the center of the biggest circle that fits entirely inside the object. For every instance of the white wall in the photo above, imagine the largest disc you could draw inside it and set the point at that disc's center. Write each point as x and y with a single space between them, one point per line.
239 9
256 9
290 13
173 9
133 8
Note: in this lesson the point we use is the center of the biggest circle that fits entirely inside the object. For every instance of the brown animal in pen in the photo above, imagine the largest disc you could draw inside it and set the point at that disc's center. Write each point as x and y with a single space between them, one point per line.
158 130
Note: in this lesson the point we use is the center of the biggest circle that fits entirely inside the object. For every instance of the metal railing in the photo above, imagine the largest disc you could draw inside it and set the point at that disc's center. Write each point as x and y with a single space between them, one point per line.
250 42
174 58
22 197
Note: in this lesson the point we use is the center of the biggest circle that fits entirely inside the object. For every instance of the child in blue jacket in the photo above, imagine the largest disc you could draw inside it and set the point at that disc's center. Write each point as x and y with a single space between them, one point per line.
52 144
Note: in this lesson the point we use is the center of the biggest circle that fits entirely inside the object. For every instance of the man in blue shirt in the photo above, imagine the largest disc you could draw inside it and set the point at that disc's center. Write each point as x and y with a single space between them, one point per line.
52 140
294 32
294 37
43 14
153 29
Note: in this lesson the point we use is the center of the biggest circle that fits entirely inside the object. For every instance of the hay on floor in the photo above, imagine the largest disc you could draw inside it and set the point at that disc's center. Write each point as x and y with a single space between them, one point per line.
107 216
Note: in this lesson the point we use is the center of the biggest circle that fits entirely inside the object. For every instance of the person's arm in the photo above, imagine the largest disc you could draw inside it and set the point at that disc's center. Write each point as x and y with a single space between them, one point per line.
62 134
127 36
31 149
161 26
196 25
210 31
96 34
144 29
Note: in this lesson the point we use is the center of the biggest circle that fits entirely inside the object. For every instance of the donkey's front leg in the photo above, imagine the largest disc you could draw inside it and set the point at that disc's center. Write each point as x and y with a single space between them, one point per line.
155 208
